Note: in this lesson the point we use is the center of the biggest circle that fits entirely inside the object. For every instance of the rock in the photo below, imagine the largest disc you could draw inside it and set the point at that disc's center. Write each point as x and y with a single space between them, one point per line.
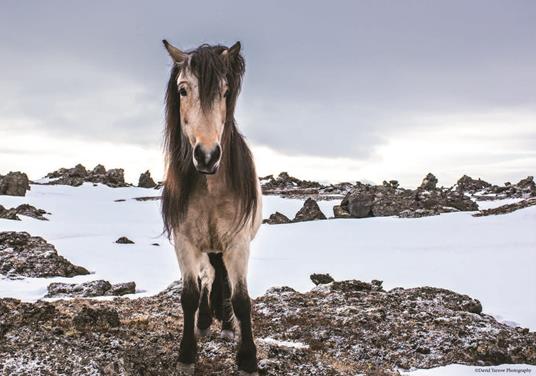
509 208
121 289
359 205
388 200
469 185
124 240
8 213
98 170
429 182
14 184
146 181
321 279
309 212
342 328
89 289
31 256
276 219
77 175
340 212
31 211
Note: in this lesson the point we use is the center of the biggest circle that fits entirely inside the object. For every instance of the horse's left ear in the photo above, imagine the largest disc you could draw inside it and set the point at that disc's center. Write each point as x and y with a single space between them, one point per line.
233 51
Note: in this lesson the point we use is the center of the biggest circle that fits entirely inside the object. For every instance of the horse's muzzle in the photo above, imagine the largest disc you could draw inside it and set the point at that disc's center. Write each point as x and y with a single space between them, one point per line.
207 162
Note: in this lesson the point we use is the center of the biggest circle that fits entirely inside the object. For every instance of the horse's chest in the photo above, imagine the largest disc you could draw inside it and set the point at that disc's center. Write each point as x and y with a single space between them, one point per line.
207 223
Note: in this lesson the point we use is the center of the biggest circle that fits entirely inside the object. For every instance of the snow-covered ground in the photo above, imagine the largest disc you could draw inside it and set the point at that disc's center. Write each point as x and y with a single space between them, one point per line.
489 258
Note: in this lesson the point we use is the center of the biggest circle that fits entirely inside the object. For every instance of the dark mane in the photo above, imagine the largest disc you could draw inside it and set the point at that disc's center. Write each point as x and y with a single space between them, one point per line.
207 64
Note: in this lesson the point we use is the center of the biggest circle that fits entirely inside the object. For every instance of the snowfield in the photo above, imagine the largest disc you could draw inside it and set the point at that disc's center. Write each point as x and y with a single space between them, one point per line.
489 258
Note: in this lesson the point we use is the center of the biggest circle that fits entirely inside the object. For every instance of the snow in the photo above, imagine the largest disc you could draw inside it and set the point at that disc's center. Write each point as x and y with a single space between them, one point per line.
489 258
280 343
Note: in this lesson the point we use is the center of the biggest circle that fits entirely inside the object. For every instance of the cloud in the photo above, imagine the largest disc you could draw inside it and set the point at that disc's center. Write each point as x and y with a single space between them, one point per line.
341 82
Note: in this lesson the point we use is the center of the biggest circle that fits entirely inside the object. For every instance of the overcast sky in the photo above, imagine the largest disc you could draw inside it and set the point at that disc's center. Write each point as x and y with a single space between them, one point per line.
335 91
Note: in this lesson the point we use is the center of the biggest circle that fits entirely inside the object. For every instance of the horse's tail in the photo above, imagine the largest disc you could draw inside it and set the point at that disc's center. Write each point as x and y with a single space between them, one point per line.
220 294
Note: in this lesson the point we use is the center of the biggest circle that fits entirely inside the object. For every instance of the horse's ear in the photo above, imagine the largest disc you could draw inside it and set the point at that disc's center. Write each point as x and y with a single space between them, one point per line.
233 51
177 55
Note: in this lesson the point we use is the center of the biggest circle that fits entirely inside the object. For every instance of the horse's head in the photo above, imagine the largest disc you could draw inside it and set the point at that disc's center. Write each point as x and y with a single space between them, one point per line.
207 91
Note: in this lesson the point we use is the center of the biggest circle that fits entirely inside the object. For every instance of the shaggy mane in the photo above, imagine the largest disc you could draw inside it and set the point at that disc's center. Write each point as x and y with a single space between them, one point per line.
182 179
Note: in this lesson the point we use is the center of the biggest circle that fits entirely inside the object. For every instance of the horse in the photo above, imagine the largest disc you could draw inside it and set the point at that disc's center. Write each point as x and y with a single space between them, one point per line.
211 199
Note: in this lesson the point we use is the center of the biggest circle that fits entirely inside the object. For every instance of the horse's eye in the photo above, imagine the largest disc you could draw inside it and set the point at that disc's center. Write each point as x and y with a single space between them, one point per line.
182 92
226 94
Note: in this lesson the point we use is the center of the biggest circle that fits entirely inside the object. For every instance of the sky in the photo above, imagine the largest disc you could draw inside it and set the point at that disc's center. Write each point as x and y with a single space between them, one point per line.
333 91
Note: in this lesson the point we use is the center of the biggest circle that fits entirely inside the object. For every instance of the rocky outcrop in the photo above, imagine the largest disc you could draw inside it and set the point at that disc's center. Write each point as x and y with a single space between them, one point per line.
321 279
31 256
146 181
469 185
388 199
310 211
89 289
14 184
276 219
288 186
342 328
505 209
482 190
429 183
23 209
78 175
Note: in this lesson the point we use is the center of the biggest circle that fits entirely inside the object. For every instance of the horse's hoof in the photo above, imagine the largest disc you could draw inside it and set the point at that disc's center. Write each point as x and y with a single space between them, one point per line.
228 335
186 369
201 333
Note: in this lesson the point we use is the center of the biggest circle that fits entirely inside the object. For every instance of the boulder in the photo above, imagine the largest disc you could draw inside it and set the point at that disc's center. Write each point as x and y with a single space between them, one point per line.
23 209
429 182
146 181
321 279
9 213
124 240
309 212
14 184
276 219
340 212
89 289
469 185
31 256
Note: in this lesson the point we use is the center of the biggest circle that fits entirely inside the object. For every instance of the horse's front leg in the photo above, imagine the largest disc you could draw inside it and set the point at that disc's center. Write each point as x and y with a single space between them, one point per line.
236 262
189 258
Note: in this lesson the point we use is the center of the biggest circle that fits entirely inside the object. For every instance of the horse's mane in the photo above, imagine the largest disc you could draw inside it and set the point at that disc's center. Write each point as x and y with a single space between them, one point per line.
209 66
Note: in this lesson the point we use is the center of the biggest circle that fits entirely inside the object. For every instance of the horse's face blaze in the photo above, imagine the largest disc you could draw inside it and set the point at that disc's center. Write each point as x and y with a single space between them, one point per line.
202 127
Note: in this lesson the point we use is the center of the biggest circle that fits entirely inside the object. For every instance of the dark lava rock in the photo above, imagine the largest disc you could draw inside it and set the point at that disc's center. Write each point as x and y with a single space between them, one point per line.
146 181
288 186
9 213
89 289
469 185
525 188
77 175
124 240
340 212
23 209
31 256
321 279
504 209
14 184
276 219
343 328
388 200
309 212
429 182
